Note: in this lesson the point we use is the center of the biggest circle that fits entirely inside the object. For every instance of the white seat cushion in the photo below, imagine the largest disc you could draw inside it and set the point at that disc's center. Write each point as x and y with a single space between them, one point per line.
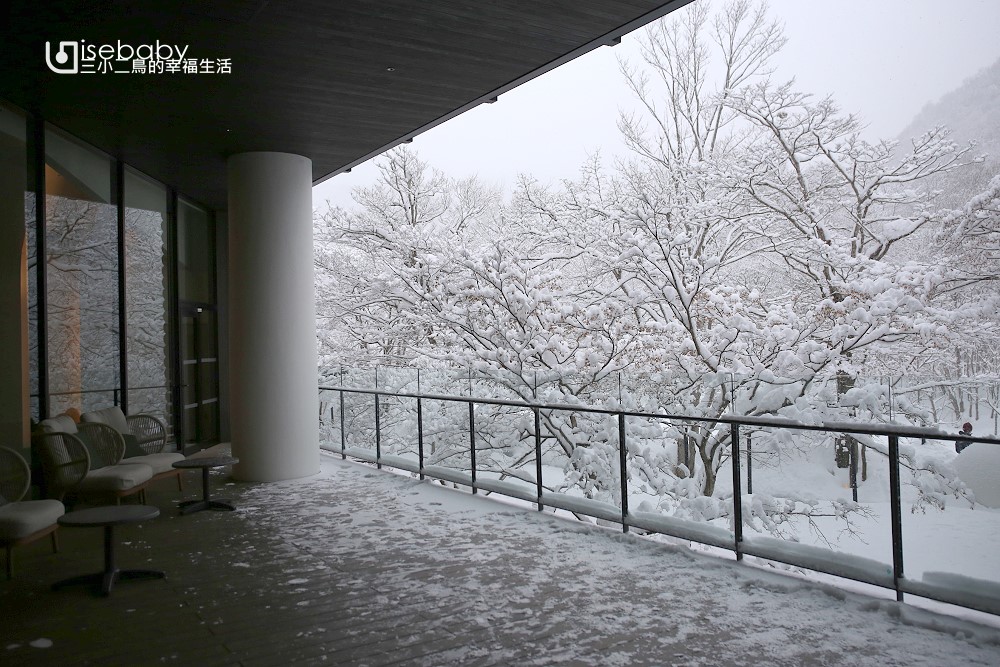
23 518
113 417
61 424
161 462
121 477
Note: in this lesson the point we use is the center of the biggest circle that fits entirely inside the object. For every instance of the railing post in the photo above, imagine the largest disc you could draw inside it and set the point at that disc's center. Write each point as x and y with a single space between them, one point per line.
750 463
737 492
114 393
378 435
333 413
343 431
538 457
420 434
688 454
853 453
888 386
622 470
897 515
472 438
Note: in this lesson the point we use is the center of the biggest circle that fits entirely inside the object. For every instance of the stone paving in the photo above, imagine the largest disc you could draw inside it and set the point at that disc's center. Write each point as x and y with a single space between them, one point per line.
363 567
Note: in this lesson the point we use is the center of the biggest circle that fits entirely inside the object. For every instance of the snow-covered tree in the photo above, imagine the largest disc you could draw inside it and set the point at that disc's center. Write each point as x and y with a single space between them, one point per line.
753 256
82 283
366 255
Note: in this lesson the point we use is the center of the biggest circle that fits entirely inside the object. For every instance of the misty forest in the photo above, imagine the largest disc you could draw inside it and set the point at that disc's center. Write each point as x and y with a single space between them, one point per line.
752 256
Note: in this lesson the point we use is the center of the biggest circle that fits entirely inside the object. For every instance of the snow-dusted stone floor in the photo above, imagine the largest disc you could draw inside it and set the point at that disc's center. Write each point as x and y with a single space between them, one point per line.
517 587
364 567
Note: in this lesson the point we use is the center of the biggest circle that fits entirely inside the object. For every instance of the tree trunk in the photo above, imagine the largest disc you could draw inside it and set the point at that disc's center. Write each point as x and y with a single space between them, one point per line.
843 442
683 457
706 455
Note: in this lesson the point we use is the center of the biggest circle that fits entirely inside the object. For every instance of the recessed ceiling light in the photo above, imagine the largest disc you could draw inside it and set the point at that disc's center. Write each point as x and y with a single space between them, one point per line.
390 69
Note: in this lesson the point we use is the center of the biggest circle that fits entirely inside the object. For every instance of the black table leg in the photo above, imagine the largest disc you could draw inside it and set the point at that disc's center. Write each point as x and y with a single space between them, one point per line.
206 502
111 574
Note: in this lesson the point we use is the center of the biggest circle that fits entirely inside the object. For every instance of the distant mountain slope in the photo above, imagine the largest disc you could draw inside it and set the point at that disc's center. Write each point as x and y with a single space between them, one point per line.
972 112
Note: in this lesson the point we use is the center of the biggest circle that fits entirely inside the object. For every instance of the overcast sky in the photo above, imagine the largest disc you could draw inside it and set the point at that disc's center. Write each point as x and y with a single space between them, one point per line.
882 59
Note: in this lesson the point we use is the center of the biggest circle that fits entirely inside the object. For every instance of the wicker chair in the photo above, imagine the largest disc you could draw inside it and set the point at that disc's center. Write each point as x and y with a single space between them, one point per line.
63 459
104 444
145 437
87 464
144 431
23 521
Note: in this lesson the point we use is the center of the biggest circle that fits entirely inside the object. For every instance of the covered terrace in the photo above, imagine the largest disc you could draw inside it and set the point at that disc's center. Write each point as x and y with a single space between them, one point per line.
325 561
357 566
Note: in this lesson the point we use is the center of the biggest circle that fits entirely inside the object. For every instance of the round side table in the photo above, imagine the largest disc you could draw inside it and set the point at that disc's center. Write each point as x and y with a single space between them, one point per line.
206 502
108 517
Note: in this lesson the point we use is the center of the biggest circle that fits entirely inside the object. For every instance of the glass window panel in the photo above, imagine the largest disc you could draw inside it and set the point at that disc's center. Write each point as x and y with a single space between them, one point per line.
81 222
207 344
208 424
199 376
146 296
208 377
191 426
196 253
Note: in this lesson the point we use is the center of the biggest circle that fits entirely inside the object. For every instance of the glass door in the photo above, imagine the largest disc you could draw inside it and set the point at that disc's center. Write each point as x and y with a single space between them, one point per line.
199 377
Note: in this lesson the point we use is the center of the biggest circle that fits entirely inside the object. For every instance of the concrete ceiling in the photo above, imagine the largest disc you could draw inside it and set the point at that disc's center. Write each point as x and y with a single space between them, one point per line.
338 82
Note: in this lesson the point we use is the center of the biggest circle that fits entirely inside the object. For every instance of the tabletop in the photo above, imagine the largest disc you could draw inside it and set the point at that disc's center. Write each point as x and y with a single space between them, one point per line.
109 515
206 462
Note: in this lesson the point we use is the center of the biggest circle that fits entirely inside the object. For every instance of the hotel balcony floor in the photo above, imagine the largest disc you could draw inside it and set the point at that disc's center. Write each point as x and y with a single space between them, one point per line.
356 566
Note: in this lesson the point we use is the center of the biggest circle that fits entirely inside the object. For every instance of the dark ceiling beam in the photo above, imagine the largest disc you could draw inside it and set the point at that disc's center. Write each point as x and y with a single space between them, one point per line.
338 82
612 38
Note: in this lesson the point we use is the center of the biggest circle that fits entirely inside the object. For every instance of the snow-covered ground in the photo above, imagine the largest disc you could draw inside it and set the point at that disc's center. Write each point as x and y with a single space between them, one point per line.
961 538
557 586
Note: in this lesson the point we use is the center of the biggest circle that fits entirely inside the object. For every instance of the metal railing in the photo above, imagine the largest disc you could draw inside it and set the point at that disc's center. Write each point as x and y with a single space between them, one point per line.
114 391
804 556
161 411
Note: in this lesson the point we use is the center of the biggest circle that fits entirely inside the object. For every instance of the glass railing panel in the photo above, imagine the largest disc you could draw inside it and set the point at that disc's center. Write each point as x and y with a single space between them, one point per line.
949 510
398 427
816 493
505 447
359 421
329 420
446 435
581 460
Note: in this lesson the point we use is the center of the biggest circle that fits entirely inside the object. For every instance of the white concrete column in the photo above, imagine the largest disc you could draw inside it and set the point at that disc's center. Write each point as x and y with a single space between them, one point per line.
274 400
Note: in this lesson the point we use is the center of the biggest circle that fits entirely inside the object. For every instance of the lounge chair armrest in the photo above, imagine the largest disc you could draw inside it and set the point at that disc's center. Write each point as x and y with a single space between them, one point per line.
65 461
105 445
150 433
